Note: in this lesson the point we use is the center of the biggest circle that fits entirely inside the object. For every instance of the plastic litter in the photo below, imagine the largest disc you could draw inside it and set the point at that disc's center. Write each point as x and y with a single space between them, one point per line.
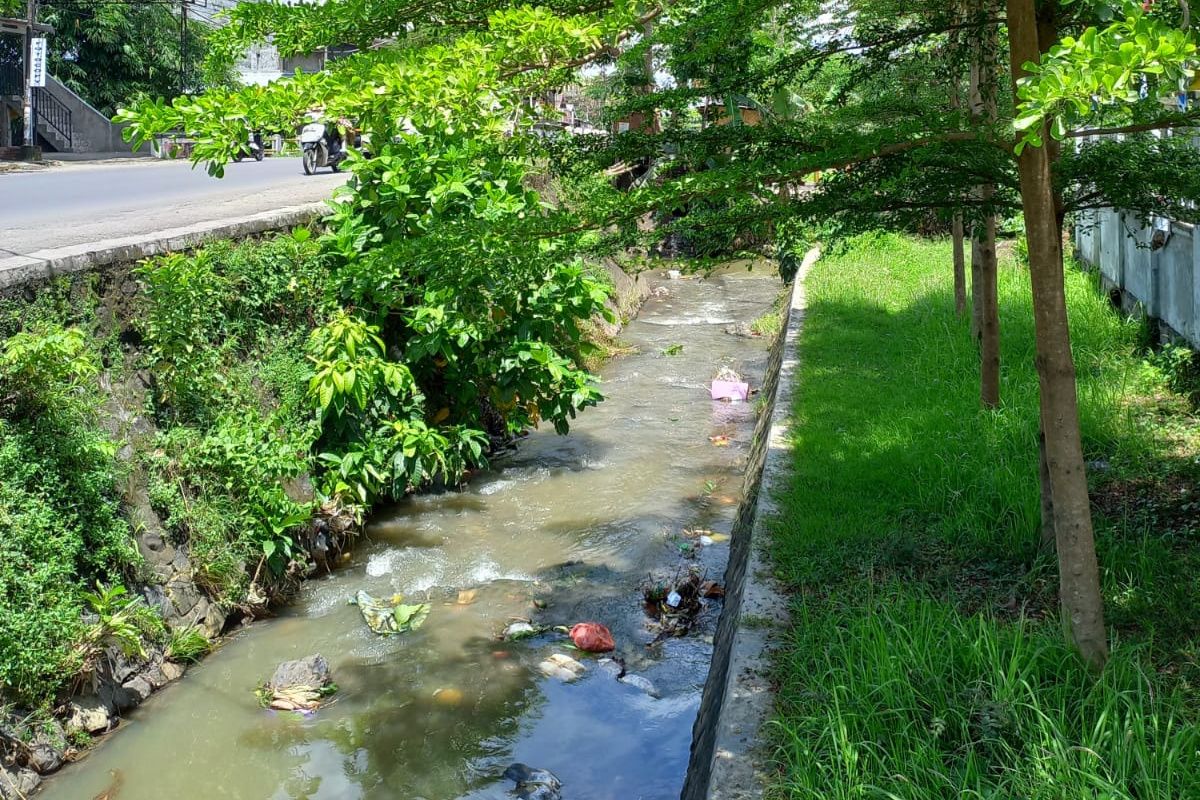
639 682
728 385
562 667
737 392
390 615
516 631
674 602
534 784
616 668
448 696
592 637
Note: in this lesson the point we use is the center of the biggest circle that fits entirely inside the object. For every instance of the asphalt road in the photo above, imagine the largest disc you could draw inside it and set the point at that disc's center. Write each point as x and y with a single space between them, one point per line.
76 204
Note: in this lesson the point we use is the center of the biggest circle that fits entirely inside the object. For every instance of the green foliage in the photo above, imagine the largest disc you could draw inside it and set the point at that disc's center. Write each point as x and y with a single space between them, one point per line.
45 367
58 508
112 54
1140 52
925 657
183 324
1181 366
115 624
900 695
188 645
197 306
225 328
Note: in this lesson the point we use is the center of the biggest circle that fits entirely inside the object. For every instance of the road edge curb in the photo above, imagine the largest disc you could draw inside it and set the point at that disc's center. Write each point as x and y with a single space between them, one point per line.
16 271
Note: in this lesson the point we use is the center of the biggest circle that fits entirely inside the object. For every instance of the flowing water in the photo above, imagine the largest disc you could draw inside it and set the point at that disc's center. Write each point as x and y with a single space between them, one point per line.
576 522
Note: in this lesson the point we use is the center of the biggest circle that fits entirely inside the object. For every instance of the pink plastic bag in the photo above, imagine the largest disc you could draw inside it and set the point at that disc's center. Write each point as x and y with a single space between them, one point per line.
730 390
592 637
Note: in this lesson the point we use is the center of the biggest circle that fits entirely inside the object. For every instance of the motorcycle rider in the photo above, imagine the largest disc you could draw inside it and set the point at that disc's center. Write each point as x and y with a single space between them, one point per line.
333 132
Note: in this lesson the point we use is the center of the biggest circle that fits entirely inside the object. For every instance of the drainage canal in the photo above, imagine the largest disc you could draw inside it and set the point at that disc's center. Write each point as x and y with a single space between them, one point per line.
566 529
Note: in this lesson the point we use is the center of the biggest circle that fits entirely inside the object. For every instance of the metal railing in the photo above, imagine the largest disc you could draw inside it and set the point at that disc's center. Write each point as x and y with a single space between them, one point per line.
55 114
10 80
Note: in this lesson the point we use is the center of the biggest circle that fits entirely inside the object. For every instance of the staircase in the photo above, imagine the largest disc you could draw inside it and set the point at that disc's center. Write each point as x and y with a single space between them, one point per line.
53 119
64 121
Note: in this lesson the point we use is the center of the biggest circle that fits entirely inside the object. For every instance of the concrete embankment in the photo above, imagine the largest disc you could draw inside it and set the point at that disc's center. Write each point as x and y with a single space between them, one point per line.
727 758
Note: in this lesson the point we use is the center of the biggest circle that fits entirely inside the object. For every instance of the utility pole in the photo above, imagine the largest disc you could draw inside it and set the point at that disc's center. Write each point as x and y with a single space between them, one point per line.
30 127
183 81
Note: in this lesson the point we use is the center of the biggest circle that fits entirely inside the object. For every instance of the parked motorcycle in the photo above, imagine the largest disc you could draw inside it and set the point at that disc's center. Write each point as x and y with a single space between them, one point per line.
253 148
321 146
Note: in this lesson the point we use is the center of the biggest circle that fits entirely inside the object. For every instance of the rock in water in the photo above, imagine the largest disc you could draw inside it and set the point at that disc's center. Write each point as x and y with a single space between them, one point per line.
88 714
312 672
17 784
534 784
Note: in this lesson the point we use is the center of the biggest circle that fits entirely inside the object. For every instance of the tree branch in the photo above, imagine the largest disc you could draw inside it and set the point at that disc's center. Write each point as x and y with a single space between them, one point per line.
799 59
1142 127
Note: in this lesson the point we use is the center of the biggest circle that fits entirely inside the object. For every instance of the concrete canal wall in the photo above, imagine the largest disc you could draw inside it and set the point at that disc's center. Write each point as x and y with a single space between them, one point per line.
726 757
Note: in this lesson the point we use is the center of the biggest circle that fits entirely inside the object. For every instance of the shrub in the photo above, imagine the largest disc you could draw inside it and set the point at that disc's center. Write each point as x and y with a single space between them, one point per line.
58 509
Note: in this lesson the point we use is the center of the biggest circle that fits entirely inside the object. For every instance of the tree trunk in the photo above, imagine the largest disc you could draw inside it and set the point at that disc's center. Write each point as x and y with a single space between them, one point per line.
1047 31
989 333
984 268
1079 574
956 232
1047 541
976 293
960 268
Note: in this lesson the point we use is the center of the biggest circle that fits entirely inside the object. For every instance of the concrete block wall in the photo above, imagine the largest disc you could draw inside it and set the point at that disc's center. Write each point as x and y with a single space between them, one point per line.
728 761
1163 283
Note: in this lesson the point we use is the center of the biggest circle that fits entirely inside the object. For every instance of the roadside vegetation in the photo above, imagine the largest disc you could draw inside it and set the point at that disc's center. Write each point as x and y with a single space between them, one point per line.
276 393
926 658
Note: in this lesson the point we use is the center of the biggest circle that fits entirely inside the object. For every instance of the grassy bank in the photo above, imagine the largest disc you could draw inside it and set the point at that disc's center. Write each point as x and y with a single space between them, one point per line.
925 659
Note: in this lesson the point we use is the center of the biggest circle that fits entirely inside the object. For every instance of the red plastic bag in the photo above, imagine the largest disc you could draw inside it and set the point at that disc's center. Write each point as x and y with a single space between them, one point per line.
592 637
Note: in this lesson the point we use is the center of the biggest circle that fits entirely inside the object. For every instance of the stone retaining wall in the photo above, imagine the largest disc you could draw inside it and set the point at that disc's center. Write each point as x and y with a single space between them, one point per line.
726 760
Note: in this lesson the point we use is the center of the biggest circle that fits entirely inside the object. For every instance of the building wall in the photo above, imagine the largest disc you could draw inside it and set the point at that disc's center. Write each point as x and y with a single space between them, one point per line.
1162 282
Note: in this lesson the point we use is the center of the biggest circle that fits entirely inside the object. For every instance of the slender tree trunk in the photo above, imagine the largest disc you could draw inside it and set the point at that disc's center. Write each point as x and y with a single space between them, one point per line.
984 266
976 293
956 234
1047 31
1079 574
989 333
960 267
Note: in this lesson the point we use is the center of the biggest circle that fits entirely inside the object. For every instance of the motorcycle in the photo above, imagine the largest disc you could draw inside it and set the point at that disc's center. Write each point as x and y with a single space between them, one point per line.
253 148
320 146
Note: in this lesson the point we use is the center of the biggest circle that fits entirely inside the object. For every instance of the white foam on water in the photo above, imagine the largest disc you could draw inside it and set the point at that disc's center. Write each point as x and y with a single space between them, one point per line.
380 564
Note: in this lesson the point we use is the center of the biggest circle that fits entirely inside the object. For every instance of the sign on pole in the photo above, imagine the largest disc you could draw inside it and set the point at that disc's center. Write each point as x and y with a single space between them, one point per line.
37 67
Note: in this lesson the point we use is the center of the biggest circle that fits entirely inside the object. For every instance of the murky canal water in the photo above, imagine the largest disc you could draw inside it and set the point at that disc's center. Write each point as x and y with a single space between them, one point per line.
577 522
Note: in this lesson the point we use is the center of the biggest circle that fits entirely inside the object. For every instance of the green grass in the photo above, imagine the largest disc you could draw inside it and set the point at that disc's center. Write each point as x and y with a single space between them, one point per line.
925 659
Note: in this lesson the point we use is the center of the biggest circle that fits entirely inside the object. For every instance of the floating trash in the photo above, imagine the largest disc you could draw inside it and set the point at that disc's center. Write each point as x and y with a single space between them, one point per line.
562 667
534 784
390 615
592 637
